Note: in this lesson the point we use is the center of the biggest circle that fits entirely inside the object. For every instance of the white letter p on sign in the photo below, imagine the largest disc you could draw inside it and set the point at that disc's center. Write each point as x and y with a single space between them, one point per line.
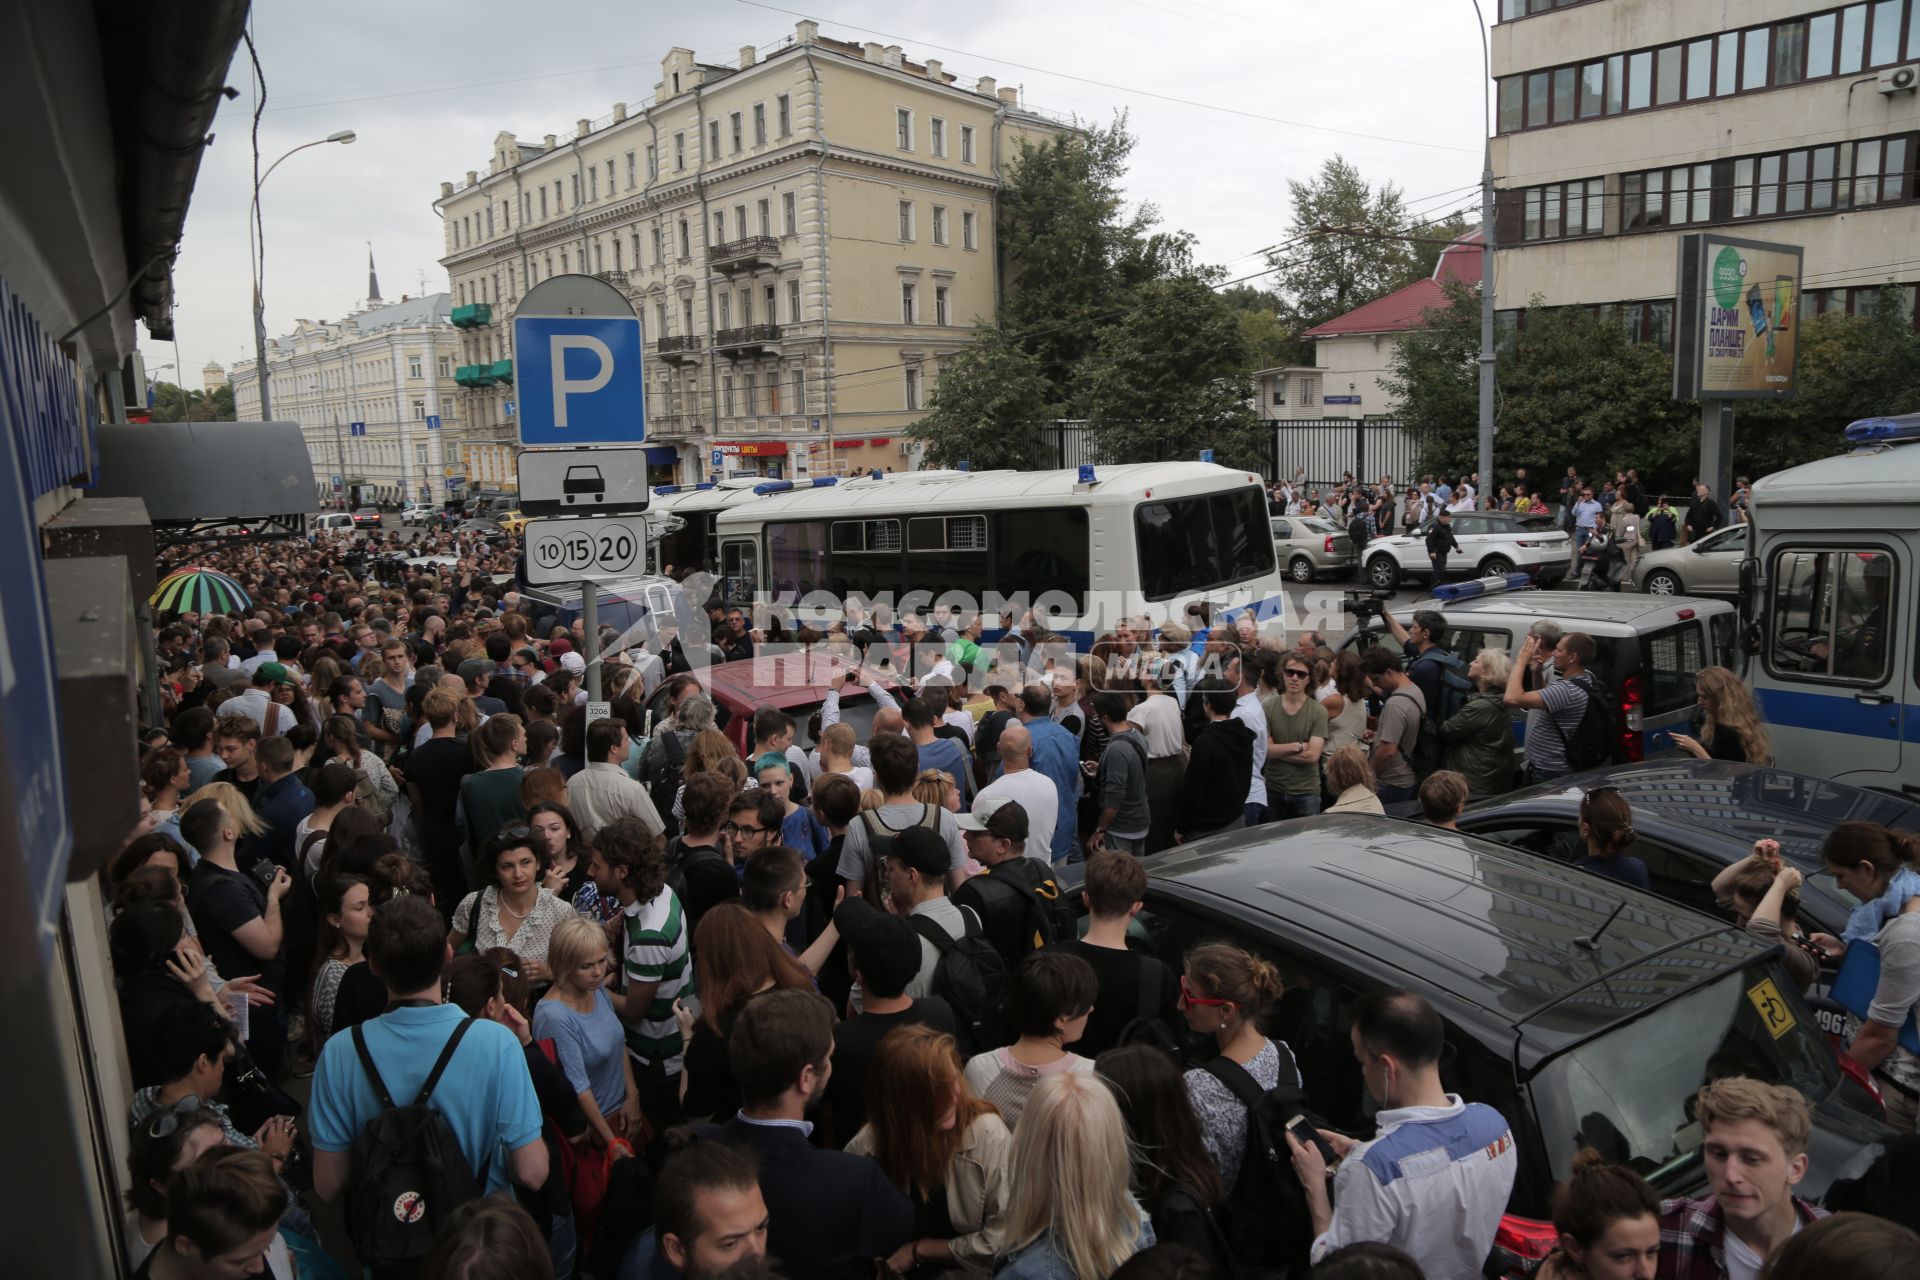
557 347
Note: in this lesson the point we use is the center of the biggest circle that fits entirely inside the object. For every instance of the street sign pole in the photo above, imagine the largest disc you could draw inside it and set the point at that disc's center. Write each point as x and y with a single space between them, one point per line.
590 624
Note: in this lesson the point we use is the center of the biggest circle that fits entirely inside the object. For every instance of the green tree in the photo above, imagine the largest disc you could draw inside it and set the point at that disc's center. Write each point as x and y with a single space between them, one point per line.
1434 237
1269 344
989 407
1850 367
178 404
1321 276
1170 379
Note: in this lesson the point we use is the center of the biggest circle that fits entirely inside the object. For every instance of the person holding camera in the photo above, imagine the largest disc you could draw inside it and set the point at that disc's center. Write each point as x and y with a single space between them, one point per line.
237 915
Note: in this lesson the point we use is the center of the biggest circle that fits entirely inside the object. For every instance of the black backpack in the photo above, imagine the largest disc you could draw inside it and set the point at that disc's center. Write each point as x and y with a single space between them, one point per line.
407 1173
973 980
680 857
1266 1216
1023 885
1455 686
1146 1026
1592 742
663 780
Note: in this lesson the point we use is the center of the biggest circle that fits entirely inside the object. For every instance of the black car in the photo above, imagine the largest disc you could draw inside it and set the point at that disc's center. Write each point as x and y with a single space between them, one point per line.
1693 818
1586 1012
366 518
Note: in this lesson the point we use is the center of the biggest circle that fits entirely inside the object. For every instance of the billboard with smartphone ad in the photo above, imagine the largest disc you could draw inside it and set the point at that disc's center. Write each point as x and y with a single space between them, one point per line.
1737 323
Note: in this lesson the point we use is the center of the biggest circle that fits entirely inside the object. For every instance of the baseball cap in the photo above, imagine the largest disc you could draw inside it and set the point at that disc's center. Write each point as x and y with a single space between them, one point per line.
560 645
474 669
1005 821
885 947
573 662
275 673
922 850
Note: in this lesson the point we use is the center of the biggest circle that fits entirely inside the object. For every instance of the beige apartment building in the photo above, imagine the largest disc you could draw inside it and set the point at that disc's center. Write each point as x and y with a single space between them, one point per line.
389 367
1623 124
805 235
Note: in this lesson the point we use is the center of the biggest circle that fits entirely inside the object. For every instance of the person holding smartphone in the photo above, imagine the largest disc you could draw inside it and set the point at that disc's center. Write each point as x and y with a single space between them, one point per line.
237 914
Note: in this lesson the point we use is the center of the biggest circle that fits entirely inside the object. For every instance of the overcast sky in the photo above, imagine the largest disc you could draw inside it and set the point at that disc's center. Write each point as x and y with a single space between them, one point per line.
1268 92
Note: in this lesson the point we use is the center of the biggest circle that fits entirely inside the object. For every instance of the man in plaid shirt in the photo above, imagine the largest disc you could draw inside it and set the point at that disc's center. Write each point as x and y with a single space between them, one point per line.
1755 1146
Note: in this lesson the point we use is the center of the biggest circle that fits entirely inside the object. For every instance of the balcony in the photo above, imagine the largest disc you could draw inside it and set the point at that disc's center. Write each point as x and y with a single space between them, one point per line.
499 371
473 315
618 279
671 425
749 340
749 254
682 348
474 375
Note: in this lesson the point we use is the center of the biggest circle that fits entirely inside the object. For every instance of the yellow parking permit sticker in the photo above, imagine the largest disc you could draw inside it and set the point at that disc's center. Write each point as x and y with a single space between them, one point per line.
1773 1010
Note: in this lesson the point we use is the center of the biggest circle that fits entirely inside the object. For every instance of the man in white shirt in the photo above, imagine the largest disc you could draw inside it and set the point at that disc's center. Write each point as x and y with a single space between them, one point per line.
604 791
1032 790
1159 719
1248 711
1435 1180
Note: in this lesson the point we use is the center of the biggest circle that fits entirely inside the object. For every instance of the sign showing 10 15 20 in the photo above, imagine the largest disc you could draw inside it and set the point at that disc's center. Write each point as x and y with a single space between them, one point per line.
572 550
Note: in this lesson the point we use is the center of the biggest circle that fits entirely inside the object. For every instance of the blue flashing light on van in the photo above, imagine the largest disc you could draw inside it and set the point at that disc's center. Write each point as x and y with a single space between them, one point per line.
1905 426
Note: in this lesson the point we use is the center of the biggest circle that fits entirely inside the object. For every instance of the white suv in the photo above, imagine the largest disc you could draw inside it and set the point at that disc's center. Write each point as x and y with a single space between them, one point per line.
1490 542
418 513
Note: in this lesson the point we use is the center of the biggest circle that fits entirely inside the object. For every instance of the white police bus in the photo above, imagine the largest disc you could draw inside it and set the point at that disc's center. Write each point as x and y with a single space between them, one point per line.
1143 540
1830 593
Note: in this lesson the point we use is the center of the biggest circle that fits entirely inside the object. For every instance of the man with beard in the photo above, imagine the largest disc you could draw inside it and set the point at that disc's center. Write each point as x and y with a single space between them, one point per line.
830 1213
709 1219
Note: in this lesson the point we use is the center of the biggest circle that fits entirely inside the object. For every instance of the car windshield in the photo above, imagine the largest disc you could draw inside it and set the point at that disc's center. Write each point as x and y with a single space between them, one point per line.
857 709
1629 1092
1318 525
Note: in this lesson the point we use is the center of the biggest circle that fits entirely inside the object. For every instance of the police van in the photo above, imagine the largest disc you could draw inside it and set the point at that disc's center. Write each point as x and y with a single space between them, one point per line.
1646 648
1834 551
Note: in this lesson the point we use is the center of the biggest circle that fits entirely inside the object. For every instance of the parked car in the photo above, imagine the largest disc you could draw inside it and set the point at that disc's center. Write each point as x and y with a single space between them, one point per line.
331 520
1692 818
419 513
796 684
1491 542
512 521
1709 567
1579 1025
1308 546
366 517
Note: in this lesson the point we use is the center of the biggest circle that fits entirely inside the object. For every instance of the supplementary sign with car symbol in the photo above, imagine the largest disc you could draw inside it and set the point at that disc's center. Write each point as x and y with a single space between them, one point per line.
584 550
578 377
586 482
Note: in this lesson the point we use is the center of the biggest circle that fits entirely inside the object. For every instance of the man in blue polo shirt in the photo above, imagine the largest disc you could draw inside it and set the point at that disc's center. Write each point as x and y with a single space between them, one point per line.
485 1093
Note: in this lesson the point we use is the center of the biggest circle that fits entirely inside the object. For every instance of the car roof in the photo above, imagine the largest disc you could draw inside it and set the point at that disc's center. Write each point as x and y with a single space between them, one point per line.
1718 808
1493 936
1624 607
775 680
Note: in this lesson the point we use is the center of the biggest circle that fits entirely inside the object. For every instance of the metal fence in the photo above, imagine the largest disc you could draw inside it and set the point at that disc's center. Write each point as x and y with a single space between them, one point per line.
1326 447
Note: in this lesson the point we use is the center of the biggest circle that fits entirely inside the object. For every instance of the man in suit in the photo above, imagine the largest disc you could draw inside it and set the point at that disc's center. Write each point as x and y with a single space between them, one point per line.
832 1214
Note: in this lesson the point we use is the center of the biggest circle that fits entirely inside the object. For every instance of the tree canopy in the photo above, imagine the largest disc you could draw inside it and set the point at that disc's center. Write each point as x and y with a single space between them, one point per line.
178 404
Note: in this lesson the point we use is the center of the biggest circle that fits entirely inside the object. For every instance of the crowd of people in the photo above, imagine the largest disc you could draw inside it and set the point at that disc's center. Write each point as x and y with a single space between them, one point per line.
608 997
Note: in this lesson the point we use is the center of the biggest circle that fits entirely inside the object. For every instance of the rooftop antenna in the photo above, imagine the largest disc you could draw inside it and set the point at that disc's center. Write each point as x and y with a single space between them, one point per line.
1592 941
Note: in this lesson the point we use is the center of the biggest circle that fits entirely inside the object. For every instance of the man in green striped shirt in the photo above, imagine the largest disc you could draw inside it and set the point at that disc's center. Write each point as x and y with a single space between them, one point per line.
628 865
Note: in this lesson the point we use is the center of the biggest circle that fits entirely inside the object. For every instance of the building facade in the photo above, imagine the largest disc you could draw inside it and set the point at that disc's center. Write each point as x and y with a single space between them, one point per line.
390 369
213 376
805 236
1623 124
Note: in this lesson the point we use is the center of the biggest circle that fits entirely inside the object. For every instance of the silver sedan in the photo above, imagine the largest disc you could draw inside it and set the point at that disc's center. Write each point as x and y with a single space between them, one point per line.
1309 546
1709 567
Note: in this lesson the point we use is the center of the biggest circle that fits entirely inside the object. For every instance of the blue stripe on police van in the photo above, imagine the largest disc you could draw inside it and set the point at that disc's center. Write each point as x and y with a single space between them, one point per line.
1838 712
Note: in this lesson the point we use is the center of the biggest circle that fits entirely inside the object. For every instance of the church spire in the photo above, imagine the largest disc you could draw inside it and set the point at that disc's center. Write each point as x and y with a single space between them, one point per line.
373 281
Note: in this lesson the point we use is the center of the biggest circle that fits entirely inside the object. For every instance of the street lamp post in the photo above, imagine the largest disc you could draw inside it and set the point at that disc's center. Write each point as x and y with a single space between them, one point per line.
1484 456
259 256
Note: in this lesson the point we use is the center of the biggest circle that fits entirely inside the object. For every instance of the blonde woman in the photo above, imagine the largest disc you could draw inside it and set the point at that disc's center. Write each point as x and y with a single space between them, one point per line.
1071 1216
1478 738
235 802
1733 729
1351 780
935 787
577 1015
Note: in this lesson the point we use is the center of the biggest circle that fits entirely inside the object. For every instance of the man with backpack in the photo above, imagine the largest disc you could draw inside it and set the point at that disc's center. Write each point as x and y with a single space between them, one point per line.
698 871
1139 995
883 954
1435 1181
421 1109
1569 721
1015 898
916 868
896 763
1398 731
1439 674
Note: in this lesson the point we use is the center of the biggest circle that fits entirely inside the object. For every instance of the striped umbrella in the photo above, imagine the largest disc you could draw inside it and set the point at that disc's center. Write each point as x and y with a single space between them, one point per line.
195 590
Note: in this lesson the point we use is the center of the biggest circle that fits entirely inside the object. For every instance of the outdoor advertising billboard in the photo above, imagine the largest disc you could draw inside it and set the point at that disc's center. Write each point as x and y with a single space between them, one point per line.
1736 319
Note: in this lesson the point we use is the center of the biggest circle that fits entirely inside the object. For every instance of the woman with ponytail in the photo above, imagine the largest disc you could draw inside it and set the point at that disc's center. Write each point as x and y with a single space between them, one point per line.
1609 1224
1877 866
1224 993
1606 824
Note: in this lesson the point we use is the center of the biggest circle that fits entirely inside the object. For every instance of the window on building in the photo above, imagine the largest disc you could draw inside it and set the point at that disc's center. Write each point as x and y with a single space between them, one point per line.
576 189
599 259
713 142
653 164
726 394
719 228
746 307
793 302
686 242
632 172
419 410
617 265
913 387
413 366
906 303
939 224
1754 47
679 151
1593 86
966 144
686 313
773 393
660 318
445 365
765 210
783 114
937 135
906 219
759 124
726 310
1639 84
566 263
1668 70
967 237
1563 95
799 388
610 180
1885 49
940 305
903 128
733 131
750 392
789 214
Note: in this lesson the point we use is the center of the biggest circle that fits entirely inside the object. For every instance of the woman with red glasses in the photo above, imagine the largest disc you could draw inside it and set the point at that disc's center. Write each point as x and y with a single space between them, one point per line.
1224 993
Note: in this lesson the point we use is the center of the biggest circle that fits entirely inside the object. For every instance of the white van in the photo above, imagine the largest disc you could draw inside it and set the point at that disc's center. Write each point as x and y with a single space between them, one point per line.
1835 550
331 522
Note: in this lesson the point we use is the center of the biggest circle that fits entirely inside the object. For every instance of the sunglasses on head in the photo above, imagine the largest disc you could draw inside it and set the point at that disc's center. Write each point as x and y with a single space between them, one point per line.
1186 994
165 1122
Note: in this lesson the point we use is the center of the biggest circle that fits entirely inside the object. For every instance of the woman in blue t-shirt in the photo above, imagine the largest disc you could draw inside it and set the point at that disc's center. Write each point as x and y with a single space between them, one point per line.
1606 824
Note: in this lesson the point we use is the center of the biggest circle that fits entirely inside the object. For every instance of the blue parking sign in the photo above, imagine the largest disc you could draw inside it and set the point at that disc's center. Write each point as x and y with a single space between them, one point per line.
581 379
